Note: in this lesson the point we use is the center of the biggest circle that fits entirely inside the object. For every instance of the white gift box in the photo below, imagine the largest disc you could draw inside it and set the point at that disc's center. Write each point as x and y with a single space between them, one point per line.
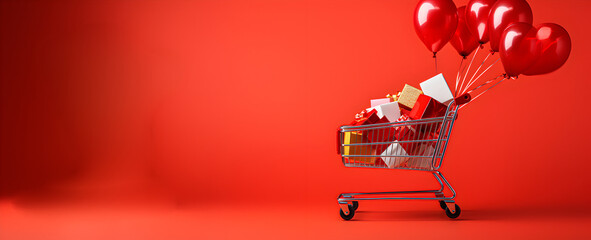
390 110
394 149
437 88
425 162
379 101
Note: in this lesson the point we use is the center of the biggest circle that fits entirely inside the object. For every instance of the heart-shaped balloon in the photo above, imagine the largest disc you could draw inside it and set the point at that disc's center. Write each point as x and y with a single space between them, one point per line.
519 48
502 14
556 45
462 40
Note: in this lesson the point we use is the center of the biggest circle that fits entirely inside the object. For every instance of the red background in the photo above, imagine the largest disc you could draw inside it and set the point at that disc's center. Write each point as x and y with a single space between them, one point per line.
234 104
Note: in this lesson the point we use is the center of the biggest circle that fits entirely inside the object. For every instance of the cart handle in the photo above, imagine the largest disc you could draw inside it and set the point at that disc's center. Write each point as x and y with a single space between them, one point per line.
463 99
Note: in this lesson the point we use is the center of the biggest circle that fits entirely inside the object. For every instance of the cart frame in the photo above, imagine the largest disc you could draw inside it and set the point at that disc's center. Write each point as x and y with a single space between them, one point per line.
348 202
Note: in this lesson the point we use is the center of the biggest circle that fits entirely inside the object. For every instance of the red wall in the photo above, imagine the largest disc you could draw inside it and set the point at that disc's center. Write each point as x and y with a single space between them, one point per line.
214 100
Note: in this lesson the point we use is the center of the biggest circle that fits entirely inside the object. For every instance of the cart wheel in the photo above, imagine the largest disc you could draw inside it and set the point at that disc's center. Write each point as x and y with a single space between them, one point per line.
453 215
355 205
442 205
351 213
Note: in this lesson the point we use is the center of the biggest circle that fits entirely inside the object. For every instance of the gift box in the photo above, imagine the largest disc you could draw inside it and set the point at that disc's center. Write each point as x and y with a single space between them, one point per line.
391 111
397 156
382 135
427 107
381 138
358 137
409 96
363 118
421 162
424 149
437 88
366 117
379 101
394 149
405 133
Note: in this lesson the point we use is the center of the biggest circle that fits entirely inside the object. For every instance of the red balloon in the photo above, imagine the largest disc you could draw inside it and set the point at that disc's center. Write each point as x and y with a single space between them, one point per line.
519 48
502 14
435 22
462 40
477 18
556 45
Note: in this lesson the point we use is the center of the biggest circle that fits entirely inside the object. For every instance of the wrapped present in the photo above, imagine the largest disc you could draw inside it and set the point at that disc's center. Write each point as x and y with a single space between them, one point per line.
358 137
379 101
409 96
394 155
405 133
397 156
366 117
391 111
363 118
404 111
437 88
427 107
425 150
381 135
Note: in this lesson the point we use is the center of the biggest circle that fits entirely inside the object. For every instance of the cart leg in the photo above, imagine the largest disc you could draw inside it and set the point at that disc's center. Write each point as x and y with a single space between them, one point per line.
439 176
452 210
441 180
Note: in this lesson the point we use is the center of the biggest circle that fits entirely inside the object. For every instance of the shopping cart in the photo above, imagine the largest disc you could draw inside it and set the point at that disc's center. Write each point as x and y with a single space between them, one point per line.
413 145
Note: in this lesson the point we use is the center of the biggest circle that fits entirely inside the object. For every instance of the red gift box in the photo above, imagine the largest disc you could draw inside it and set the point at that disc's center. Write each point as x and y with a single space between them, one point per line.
382 135
416 132
405 133
375 135
365 118
371 117
427 107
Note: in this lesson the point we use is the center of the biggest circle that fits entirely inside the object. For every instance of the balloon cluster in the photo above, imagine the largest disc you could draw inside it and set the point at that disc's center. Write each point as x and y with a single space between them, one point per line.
506 24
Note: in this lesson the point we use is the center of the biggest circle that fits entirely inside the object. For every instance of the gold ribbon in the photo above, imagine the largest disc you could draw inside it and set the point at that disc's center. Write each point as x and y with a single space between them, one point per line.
394 97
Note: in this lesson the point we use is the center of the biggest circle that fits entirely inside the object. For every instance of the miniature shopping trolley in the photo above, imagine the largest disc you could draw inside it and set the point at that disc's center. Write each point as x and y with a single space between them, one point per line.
412 144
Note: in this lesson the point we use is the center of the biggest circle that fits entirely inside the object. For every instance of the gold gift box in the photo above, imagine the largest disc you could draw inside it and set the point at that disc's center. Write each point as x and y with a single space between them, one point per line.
357 137
409 96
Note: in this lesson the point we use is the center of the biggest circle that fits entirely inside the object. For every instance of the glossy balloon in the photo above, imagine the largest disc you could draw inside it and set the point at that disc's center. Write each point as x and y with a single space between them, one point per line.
435 22
519 48
477 18
462 40
555 44
502 14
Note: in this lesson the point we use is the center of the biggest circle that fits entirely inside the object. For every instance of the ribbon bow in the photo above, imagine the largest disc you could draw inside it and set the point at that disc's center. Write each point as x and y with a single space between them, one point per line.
394 97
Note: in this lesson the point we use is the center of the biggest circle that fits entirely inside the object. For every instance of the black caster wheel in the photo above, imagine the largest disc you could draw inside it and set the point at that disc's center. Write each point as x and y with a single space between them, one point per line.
351 213
453 215
442 205
355 205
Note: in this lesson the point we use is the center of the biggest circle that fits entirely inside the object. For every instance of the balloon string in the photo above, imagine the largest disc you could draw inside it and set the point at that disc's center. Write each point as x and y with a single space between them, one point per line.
480 75
485 83
475 72
435 57
462 82
483 92
458 77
